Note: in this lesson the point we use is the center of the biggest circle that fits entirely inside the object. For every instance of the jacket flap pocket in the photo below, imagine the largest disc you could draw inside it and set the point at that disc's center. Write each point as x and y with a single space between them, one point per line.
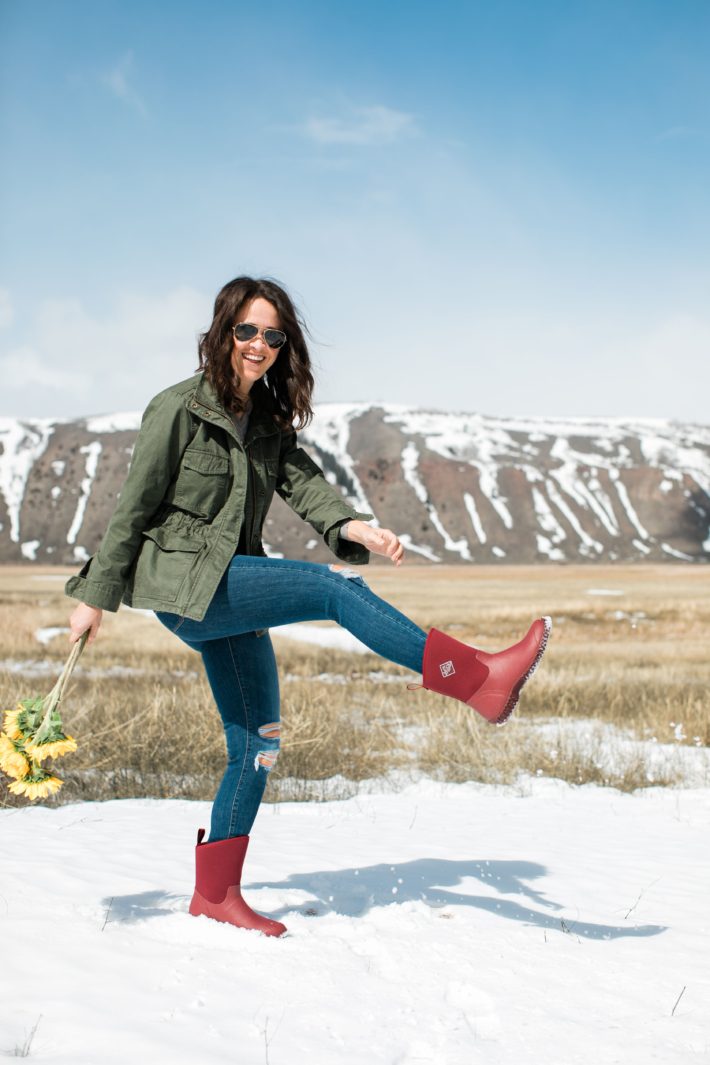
170 540
205 461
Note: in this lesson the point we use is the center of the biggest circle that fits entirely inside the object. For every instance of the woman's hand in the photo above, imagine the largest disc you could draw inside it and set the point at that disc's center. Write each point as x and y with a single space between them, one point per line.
379 541
83 618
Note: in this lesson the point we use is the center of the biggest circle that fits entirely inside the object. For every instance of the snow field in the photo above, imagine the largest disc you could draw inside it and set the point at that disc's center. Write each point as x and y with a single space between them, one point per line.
445 923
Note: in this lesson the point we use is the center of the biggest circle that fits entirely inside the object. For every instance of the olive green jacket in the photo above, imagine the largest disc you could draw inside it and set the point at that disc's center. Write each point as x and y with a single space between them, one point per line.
181 510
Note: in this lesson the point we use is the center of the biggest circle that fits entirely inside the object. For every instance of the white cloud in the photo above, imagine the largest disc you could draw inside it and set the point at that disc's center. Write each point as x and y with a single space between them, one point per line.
363 126
117 80
622 365
24 368
6 309
72 362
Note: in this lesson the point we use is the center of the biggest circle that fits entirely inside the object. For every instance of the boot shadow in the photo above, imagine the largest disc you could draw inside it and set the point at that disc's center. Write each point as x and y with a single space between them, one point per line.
129 908
354 892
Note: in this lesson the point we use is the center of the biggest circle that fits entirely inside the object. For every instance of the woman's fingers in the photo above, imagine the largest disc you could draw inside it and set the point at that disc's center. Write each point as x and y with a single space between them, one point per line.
381 541
77 633
387 543
84 617
398 554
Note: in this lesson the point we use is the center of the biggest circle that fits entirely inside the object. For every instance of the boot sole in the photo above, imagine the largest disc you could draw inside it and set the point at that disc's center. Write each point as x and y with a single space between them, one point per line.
515 694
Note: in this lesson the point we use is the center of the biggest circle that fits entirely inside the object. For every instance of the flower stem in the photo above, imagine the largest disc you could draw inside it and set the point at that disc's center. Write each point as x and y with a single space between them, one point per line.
57 691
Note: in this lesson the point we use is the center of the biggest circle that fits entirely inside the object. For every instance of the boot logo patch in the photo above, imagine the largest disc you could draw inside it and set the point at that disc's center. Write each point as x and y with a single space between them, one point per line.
447 668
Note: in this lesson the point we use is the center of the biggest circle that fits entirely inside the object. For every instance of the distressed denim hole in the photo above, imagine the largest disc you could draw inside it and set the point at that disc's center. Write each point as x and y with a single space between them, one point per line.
266 759
272 731
345 571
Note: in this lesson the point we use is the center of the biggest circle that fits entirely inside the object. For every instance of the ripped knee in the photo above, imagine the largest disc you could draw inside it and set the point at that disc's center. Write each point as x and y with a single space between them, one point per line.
266 757
346 571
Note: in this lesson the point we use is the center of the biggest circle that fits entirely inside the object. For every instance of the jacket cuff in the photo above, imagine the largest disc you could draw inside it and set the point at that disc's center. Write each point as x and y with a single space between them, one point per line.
99 594
347 550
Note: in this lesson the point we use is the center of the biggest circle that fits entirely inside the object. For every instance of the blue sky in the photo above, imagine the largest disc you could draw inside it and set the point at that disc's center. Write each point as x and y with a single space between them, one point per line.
494 207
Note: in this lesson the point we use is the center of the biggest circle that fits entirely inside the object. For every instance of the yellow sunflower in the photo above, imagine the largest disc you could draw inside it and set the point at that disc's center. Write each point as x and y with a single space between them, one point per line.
50 749
12 759
11 727
36 787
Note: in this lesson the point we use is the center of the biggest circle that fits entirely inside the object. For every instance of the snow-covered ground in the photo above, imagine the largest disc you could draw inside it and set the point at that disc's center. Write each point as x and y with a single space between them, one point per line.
444 923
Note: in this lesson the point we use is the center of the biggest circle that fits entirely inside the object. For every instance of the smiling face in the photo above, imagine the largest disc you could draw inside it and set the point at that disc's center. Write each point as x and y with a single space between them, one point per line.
252 358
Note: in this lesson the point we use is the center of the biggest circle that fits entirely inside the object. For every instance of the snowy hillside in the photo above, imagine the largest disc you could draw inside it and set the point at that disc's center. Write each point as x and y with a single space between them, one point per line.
456 487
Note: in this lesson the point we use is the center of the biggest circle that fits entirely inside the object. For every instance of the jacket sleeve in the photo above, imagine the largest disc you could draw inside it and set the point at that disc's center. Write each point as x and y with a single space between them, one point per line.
164 433
302 484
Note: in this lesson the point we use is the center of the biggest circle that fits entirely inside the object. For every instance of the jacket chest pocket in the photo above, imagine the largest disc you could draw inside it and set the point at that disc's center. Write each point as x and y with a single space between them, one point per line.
202 483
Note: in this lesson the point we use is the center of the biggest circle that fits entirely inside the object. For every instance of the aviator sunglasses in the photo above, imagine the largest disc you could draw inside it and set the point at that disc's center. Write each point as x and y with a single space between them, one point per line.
275 338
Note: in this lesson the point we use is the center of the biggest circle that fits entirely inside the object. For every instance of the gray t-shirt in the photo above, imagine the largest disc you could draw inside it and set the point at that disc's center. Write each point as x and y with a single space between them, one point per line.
241 423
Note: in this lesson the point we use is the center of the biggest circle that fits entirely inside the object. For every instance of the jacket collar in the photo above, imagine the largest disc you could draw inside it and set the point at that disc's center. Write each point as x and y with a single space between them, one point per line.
205 402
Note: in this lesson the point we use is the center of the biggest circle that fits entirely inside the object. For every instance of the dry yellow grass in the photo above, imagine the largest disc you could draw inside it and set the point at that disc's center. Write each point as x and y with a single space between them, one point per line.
142 711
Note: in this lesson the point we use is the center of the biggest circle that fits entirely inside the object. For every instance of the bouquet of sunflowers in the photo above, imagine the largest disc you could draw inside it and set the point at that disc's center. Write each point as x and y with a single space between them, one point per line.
34 731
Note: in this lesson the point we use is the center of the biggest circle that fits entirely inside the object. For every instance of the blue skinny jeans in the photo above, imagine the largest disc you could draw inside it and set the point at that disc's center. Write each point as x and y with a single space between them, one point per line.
256 594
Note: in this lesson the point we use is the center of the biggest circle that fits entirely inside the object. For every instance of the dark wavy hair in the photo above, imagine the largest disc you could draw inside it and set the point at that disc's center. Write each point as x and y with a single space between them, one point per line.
287 387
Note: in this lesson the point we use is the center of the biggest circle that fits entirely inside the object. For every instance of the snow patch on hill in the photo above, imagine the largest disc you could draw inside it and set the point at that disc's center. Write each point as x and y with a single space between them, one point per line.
23 442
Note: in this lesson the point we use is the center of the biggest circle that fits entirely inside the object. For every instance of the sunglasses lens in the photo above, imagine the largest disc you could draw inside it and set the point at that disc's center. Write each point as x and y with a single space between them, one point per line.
244 331
274 338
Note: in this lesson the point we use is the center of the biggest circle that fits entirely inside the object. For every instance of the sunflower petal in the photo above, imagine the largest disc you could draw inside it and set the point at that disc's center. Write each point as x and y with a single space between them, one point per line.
13 759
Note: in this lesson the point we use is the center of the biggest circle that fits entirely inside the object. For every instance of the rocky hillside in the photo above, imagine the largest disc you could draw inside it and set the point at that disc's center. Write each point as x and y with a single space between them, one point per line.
456 487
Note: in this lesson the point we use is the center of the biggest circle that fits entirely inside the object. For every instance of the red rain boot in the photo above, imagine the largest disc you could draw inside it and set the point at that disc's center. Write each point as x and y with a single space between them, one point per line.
490 683
218 875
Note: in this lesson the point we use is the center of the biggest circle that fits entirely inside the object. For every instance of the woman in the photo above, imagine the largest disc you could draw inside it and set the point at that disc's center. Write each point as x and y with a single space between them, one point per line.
185 541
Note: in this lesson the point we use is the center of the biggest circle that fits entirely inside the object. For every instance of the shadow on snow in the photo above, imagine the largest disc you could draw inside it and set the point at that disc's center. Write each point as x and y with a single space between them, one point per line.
354 892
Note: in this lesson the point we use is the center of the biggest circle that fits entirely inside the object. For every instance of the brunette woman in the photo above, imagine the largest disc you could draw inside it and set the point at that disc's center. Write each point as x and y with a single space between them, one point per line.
185 541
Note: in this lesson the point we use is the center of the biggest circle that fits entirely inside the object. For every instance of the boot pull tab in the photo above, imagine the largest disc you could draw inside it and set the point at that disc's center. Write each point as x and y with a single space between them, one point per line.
200 835
414 687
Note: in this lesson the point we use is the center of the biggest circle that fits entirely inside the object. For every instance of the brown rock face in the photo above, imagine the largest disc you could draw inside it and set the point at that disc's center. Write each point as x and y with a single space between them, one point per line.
456 487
